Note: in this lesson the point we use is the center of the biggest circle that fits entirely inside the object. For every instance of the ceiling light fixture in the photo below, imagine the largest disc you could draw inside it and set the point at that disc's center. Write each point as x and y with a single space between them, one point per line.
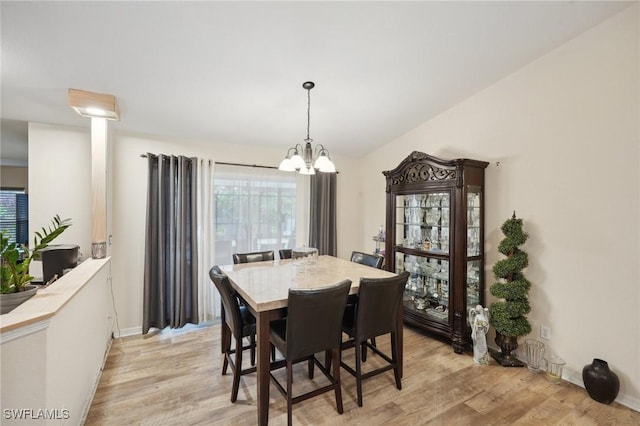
306 159
90 104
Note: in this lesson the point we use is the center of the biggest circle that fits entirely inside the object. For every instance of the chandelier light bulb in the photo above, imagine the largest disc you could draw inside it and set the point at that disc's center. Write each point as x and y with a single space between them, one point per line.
286 165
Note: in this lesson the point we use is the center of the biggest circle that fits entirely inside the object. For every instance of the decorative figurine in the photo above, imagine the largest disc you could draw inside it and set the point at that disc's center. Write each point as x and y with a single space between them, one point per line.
479 320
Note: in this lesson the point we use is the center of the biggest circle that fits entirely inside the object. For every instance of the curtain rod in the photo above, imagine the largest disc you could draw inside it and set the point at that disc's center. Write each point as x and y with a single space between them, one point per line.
246 165
233 164
229 164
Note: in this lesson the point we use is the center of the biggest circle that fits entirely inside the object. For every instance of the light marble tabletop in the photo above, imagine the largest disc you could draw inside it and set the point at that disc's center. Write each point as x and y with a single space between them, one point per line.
265 285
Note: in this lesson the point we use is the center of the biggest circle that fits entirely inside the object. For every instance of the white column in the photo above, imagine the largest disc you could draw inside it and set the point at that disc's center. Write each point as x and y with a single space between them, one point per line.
99 145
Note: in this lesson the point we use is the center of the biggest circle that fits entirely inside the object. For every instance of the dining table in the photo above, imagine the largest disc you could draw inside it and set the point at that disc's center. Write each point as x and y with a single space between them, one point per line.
264 287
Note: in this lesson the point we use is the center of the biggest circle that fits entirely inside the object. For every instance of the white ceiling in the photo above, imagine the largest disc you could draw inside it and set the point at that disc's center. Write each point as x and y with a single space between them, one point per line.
233 71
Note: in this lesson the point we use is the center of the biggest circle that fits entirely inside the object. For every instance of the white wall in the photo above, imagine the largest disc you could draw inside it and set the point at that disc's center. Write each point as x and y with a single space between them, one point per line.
129 206
60 181
565 131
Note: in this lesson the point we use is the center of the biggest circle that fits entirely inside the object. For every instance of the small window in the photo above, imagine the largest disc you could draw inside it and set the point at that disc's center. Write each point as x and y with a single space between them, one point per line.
14 214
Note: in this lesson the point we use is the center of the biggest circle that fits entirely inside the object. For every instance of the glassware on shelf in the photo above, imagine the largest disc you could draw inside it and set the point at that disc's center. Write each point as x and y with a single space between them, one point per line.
445 217
473 241
435 241
444 244
417 236
473 199
426 243
437 214
473 218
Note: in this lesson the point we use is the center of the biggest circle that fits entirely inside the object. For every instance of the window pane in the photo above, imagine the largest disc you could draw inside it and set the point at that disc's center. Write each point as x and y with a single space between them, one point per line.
255 210
14 214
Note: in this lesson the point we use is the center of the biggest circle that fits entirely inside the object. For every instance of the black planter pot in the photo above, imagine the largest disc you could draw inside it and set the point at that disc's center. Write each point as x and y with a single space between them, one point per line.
601 383
507 345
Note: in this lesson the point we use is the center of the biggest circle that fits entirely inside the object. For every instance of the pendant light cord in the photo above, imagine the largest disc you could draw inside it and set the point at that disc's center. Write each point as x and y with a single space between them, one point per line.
308 113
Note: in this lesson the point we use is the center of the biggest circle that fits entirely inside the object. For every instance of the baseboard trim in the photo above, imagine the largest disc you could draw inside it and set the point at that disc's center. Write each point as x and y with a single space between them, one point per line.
125 332
575 377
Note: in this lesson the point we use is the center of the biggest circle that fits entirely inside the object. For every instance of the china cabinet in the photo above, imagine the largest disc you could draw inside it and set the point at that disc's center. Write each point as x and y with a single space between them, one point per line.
435 230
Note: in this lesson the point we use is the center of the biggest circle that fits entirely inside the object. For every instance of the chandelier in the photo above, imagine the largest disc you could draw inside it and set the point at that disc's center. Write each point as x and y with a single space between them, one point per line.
306 159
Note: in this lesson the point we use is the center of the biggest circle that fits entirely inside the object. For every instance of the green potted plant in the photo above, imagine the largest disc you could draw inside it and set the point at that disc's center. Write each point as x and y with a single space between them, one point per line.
15 261
508 315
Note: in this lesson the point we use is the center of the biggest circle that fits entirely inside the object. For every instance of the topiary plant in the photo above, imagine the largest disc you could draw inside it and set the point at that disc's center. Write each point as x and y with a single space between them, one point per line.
508 316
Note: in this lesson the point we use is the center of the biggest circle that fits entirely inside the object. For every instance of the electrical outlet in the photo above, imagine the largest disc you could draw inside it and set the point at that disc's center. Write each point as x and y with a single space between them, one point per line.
545 332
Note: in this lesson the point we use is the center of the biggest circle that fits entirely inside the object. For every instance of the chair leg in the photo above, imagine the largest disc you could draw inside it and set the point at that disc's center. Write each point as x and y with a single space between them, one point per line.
336 378
252 342
225 363
225 345
327 360
394 357
289 393
364 349
273 353
310 366
237 370
358 347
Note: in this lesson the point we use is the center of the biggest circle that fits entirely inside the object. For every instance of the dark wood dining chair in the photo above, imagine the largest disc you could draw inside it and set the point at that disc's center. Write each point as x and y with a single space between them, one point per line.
256 256
313 325
240 324
285 253
375 314
375 261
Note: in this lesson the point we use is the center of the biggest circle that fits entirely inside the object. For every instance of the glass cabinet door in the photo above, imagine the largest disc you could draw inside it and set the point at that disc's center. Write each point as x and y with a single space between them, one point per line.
427 289
474 246
473 220
422 222
473 284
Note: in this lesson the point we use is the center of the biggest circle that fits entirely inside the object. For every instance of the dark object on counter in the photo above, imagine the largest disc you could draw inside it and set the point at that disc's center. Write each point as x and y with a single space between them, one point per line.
56 259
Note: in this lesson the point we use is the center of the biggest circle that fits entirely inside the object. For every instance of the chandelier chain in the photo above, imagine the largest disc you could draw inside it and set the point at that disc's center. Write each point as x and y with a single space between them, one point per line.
308 114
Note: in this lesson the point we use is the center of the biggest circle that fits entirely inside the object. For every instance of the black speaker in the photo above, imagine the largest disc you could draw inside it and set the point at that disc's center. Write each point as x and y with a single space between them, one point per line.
56 259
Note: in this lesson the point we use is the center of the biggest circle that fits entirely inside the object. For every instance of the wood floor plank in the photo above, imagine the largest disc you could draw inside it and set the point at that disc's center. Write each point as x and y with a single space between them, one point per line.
176 378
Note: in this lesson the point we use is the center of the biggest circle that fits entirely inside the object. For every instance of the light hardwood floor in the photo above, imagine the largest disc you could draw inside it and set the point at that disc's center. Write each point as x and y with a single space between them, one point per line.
175 379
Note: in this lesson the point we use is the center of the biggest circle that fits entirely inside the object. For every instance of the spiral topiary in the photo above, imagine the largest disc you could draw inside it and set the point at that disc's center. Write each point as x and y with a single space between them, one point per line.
508 316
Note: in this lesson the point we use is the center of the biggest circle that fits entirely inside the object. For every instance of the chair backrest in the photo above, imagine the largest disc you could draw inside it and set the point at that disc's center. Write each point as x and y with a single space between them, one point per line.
378 305
367 259
229 300
257 256
314 319
285 253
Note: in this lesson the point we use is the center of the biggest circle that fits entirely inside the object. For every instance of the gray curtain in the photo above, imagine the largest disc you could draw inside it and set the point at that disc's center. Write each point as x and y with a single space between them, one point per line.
322 223
171 252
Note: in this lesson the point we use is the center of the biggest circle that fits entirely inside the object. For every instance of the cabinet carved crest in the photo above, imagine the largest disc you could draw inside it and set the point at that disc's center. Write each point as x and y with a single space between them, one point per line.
419 167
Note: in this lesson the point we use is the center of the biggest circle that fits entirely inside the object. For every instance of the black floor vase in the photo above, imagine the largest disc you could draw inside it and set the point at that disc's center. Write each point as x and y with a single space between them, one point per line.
601 383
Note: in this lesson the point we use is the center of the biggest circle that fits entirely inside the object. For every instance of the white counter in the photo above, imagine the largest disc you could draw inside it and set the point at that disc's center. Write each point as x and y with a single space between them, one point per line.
52 348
